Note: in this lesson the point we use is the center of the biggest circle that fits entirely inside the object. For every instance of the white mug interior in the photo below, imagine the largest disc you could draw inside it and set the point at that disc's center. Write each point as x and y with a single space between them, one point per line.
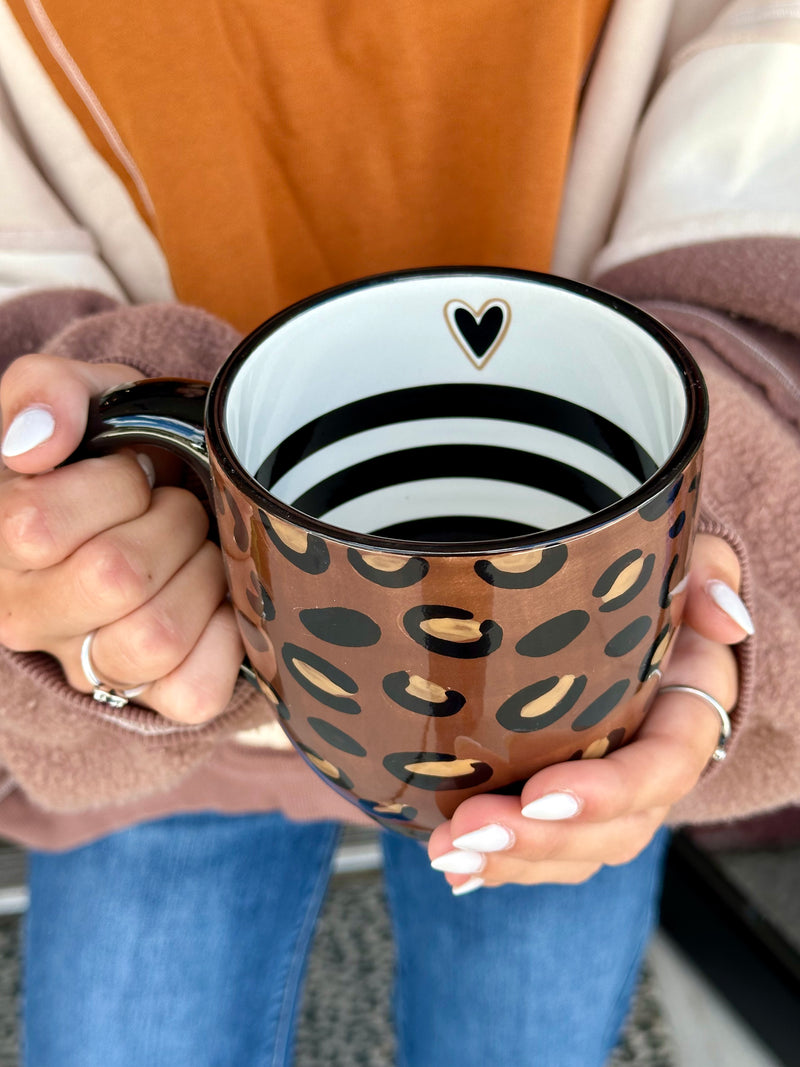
446 407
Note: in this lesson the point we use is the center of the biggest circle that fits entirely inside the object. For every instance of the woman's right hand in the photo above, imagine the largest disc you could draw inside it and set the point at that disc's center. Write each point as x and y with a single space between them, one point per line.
94 547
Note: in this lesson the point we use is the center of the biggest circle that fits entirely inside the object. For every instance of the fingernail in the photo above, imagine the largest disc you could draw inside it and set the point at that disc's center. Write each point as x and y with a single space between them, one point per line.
30 428
552 806
491 838
679 588
459 862
731 603
467 887
147 466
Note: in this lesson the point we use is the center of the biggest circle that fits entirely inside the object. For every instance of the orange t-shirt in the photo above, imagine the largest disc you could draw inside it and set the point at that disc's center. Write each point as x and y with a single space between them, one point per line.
289 146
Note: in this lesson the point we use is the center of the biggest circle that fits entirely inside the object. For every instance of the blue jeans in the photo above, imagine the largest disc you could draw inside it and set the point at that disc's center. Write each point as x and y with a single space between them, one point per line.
184 941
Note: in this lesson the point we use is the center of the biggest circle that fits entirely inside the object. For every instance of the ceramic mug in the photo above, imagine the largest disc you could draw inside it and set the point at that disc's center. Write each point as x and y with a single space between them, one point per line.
456 507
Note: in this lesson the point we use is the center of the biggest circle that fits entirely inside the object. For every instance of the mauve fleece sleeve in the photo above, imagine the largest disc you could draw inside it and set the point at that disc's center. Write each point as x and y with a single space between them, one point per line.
736 305
63 749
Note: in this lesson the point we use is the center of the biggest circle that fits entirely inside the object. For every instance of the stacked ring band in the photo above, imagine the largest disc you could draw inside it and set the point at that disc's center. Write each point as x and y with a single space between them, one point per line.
719 752
104 692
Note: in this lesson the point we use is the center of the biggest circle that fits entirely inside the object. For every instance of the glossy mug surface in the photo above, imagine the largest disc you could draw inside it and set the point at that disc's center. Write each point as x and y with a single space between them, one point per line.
455 506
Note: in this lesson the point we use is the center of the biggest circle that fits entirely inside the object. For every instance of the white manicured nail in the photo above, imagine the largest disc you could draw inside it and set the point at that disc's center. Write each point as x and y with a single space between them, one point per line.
459 862
725 597
147 466
491 838
467 887
679 588
30 428
552 806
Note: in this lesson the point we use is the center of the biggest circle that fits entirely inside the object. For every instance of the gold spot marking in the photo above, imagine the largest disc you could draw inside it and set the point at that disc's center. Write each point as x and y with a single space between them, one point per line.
461 630
267 690
384 561
624 580
547 701
661 651
597 749
293 538
388 809
451 769
519 562
424 689
320 680
324 766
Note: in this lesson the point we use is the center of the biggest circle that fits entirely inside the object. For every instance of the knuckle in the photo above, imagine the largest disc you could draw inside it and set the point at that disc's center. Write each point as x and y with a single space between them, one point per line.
14 634
131 480
627 853
194 703
24 528
186 506
109 577
578 873
684 779
154 640
616 797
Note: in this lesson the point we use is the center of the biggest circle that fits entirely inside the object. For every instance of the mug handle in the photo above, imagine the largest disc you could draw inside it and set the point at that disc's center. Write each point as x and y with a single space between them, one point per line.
167 413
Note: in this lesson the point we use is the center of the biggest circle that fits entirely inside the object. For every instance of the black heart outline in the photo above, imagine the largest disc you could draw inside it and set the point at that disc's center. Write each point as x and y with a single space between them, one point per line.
480 354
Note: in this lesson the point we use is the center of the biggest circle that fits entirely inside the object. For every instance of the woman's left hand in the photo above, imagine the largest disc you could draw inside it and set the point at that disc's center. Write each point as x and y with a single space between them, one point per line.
573 818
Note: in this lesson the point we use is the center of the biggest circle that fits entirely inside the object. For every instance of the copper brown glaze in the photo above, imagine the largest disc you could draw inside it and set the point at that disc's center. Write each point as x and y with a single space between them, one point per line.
545 672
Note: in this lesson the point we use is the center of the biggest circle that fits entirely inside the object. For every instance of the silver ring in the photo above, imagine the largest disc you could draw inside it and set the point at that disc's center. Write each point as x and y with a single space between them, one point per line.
104 692
719 752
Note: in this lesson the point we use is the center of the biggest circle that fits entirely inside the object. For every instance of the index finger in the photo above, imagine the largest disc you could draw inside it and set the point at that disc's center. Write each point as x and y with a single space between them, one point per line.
666 757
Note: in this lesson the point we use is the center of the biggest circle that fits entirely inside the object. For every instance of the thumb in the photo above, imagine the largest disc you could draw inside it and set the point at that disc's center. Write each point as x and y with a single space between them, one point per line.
44 402
713 605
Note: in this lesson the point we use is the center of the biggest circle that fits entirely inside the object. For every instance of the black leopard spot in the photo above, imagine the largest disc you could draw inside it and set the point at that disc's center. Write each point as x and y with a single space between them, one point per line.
437 770
325 767
260 600
511 789
655 653
629 637
251 634
341 626
387 569
306 551
240 534
664 596
541 704
678 525
661 504
273 697
452 631
321 679
522 570
602 706
388 811
603 745
553 635
421 695
336 737
622 582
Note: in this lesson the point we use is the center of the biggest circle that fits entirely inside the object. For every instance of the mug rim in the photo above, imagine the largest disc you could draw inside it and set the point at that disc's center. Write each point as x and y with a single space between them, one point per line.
688 444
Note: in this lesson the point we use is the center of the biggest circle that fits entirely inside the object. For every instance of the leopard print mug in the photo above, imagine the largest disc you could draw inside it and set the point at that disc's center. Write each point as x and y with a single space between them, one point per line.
456 508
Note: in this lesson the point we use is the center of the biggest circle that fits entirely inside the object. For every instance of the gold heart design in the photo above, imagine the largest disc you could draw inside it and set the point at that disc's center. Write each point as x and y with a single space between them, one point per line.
474 332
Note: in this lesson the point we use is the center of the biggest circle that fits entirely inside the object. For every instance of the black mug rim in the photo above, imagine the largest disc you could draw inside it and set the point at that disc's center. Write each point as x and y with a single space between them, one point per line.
688 444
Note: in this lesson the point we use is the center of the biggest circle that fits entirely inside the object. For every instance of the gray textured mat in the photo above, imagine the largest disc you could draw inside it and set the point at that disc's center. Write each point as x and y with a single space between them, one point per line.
354 940
354 937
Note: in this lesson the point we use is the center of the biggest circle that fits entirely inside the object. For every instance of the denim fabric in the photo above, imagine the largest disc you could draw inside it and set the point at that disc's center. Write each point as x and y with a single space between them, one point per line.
183 942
